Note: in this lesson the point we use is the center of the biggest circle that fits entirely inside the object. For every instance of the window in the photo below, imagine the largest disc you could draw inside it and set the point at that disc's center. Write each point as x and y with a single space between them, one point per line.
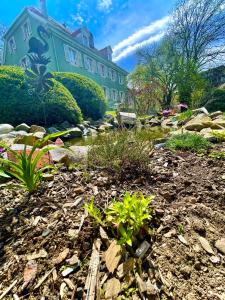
121 79
122 96
90 64
106 92
114 95
26 30
12 45
72 56
102 70
25 62
113 75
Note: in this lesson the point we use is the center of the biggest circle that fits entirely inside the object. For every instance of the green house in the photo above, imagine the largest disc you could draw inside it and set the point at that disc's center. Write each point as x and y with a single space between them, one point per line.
68 51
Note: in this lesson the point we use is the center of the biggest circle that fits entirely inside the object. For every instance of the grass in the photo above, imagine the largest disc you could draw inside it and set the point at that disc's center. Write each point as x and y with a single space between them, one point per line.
188 141
111 112
184 116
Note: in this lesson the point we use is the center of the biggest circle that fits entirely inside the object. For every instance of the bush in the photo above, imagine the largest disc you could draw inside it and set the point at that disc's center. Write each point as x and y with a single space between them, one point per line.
18 105
188 141
216 100
88 94
121 152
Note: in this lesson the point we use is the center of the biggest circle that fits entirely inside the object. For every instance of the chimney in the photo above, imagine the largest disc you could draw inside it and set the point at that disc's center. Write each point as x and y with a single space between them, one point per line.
44 7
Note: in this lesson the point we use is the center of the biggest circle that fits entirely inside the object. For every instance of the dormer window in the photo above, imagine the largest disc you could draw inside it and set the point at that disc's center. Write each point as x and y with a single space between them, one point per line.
26 30
12 45
86 41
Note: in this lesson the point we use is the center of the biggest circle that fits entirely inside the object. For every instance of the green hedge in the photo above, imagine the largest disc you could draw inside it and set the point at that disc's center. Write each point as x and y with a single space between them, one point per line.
18 105
88 94
216 100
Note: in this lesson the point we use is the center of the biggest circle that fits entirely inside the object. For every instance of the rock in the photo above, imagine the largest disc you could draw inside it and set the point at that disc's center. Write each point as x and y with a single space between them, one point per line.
52 130
75 132
48 177
141 251
215 259
65 125
198 122
23 127
59 155
113 256
201 110
216 114
79 154
125 118
220 121
6 128
112 288
105 127
220 245
36 128
67 271
153 122
81 126
207 133
205 245
29 140
167 123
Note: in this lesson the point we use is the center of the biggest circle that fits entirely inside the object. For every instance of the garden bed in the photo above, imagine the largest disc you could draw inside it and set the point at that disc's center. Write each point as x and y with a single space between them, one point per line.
52 229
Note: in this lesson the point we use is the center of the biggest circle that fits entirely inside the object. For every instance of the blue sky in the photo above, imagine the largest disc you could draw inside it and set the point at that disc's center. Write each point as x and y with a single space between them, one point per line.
124 24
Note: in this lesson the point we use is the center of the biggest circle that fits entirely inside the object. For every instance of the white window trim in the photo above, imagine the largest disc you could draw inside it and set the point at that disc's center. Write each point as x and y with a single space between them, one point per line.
78 60
107 93
29 30
12 50
93 64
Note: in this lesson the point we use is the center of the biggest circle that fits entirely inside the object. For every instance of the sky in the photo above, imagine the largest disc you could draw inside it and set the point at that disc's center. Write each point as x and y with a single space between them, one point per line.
126 25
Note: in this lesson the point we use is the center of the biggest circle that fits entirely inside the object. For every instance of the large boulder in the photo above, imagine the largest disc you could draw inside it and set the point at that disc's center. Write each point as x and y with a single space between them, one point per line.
36 128
6 128
125 118
75 154
198 122
75 132
23 127
220 121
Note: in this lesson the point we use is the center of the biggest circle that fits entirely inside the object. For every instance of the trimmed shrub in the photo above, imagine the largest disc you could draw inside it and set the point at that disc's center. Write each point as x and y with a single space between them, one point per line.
18 105
88 94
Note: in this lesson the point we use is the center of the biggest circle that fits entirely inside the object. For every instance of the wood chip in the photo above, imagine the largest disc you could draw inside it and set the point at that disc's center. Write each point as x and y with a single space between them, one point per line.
43 279
62 288
182 240
8 289
30 273
69 283
54 275
112 288
61 257
142 286
125 268
205 245
41 254
91 281
113 256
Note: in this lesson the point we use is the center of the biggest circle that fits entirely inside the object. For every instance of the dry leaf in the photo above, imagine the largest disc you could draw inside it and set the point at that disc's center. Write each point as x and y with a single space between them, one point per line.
41 254
30 273
61 257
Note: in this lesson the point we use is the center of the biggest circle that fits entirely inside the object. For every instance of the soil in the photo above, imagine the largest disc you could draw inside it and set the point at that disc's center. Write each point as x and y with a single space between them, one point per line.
189 201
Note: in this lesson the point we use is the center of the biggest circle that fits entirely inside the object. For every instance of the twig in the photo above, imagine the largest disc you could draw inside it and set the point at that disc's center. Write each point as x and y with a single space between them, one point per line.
8 289
43 279
91 281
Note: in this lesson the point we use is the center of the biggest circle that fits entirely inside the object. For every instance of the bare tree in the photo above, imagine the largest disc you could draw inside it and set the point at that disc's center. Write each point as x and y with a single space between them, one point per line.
198 27
161 61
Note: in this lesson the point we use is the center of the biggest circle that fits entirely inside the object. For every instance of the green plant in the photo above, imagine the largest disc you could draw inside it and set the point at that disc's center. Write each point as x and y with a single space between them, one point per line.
24 168
184 116
120 152
88 94
188 141
217 155
215 100
219 135
18 103
126 218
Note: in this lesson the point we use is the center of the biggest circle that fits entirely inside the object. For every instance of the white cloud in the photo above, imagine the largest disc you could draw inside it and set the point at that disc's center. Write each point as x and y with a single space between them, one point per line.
131 49
104 4
78 19
141 33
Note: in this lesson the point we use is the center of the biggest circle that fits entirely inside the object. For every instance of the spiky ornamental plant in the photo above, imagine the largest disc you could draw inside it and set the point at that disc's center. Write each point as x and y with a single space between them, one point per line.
25 167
